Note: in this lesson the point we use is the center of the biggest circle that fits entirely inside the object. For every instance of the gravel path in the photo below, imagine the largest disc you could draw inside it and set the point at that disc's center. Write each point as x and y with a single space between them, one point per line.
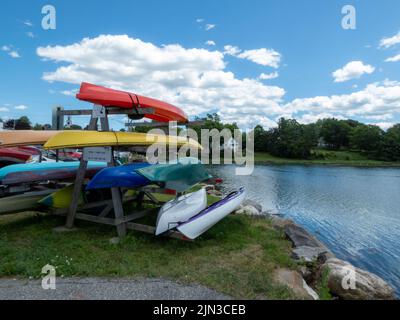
105 289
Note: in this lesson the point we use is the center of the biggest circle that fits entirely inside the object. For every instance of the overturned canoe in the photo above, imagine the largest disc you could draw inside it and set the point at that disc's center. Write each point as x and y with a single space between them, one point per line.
22 202
119 177
180 210
203 221
80 139
178 176
163 112
16 138
34 172
61 198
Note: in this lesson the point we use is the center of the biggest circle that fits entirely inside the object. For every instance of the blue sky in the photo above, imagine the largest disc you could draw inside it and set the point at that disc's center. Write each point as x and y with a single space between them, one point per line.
159 48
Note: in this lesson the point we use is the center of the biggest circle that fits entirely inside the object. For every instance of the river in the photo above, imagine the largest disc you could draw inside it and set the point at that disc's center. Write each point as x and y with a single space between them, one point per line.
354 211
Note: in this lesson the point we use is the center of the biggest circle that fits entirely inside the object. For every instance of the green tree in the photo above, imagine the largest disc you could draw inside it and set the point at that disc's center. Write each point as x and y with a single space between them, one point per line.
367 138
23 123
336 133
391 144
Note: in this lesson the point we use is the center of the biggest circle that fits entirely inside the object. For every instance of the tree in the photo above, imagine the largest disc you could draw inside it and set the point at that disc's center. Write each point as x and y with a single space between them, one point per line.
23 123
260 139
391 144
336 133
37 126
367 138
290 140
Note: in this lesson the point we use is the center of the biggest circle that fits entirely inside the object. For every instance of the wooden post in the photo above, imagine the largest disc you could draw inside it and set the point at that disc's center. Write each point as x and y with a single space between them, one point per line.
115 192
80 177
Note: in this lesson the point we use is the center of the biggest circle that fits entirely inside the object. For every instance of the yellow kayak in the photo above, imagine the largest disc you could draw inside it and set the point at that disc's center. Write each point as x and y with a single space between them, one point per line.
80 139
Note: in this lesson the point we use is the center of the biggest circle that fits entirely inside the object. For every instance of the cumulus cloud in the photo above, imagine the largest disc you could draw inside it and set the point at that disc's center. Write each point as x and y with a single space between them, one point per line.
210 43
4 109
265 57
393 59
352 70
14 54
194 79
6 48
70 93
21 107
390 41
268 76
376 101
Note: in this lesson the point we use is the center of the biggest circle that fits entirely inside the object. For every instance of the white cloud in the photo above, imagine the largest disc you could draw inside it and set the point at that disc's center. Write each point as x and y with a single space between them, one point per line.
384 125
263 56
231 50
389 42
27 23
377 100
4 109
6 48
210 43
268 76
70 93
194 79
14 54
199 20
21 107
209 26
352 70
393 59
30 34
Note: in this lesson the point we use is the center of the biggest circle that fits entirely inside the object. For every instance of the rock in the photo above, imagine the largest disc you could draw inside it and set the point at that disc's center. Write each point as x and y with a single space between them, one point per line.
248 210
308 254
351 283
300 237
293 280
278 222
115 240
252 203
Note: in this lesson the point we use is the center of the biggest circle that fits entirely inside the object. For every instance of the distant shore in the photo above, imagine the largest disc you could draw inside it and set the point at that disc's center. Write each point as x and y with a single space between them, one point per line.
331 158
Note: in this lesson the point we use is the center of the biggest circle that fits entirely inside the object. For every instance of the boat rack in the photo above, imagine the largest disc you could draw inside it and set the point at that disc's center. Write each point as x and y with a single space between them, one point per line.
114 206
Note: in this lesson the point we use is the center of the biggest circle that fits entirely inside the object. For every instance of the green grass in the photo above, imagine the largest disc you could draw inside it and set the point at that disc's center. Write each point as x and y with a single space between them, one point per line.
236 257
326 157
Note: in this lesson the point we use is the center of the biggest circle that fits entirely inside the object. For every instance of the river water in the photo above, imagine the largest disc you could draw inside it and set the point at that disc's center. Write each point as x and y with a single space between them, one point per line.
354 211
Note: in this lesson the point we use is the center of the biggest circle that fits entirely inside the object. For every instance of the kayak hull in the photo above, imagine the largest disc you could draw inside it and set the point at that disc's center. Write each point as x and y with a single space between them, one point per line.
119 177
179 176
207 218
179 210
35 172
163 112
16 138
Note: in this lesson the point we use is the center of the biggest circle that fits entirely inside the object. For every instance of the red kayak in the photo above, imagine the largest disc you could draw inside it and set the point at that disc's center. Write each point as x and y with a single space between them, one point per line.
163 112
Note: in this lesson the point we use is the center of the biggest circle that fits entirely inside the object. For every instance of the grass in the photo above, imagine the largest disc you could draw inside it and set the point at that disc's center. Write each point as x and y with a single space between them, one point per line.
326 157
236 257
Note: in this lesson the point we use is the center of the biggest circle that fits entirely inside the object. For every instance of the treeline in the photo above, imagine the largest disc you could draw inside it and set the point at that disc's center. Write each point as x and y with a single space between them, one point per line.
291 139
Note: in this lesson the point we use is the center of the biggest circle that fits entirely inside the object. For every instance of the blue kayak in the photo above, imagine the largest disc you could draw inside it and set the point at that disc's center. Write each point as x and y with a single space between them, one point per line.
124 176
31 172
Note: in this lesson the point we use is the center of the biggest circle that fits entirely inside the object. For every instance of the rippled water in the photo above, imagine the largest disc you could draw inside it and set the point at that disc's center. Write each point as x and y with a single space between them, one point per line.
354 211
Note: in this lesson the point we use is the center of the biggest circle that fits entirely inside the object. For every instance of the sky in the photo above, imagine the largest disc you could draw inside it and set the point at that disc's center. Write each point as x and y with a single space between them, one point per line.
252 62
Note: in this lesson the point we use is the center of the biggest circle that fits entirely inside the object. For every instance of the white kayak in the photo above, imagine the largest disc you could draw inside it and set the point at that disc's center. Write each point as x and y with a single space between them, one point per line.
203 221
180 210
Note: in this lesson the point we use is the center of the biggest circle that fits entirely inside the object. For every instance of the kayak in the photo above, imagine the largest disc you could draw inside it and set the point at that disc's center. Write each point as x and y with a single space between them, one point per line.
180 209
22 202
204 220
163 112
61 198
80 139
119 177
178 176
16 138
34 172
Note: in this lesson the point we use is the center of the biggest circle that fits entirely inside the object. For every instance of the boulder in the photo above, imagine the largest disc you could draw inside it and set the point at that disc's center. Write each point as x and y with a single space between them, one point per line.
300 237
252 203
351 283
278 222
294 281
248 210
308 254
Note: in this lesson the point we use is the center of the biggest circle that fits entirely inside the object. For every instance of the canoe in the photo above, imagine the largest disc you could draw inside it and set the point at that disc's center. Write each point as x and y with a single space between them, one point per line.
179 210
16 138
80 139
163 112
203 221
34 172
178 176
13 155
119 177
22 202
61 198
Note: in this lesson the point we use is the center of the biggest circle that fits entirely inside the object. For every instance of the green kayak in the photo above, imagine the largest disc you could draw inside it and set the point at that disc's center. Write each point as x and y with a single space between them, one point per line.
179 176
